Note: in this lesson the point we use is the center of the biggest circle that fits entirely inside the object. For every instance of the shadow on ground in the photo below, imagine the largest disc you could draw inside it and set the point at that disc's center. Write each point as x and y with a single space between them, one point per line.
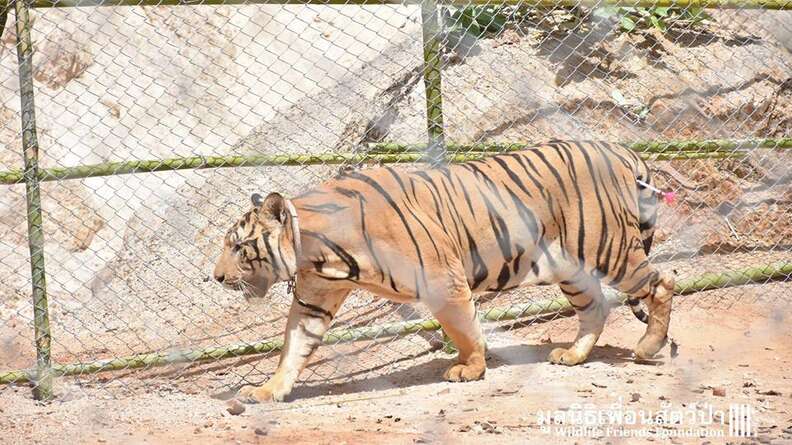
431 372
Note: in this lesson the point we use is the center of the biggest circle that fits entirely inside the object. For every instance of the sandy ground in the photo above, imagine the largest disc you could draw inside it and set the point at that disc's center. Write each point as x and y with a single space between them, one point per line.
743 350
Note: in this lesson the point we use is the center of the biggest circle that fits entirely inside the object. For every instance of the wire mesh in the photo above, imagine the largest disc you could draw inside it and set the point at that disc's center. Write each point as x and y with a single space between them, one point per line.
128 255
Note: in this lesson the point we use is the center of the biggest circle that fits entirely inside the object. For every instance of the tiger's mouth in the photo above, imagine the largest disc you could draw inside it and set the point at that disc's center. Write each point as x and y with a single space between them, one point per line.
249 290
236 285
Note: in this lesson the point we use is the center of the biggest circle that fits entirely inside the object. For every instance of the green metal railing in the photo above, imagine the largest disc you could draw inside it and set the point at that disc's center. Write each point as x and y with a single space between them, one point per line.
389 153
436 149
534 310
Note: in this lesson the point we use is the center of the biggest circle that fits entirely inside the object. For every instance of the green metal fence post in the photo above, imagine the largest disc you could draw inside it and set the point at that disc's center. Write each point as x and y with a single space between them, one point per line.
435 149
432 81
42 389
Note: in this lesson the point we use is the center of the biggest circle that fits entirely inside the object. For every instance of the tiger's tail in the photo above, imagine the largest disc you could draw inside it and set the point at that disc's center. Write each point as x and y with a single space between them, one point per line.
647 211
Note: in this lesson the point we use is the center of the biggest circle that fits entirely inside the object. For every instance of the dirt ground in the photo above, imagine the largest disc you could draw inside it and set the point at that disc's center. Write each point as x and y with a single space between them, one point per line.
740 354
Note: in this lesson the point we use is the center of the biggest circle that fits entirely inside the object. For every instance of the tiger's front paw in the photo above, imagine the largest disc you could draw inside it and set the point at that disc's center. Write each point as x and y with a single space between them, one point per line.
261 394
561 356
462 372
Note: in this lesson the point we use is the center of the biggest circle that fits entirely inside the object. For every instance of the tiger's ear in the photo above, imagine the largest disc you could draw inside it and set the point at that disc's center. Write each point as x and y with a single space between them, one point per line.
273 207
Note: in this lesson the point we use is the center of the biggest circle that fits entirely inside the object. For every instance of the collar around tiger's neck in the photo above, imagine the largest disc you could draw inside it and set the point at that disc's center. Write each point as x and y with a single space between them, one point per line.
295 228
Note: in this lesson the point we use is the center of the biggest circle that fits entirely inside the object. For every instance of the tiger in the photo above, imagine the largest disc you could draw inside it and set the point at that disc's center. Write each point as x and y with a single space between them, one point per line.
576 214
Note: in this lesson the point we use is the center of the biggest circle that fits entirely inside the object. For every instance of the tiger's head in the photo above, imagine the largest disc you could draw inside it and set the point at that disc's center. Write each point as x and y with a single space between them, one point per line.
260 249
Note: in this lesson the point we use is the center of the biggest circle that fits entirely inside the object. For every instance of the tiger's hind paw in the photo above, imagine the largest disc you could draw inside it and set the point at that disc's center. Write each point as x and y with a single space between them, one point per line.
648 346
260 394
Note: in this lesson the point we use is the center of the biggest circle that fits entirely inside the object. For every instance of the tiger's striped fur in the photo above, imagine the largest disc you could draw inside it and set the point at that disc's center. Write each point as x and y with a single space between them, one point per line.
565 213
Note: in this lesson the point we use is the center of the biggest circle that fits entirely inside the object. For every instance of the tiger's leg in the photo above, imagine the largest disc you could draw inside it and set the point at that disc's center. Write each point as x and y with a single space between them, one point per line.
643 281
455 311
586 298
307 323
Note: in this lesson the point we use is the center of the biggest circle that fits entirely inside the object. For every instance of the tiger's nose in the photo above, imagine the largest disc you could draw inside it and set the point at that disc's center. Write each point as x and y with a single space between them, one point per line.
220 278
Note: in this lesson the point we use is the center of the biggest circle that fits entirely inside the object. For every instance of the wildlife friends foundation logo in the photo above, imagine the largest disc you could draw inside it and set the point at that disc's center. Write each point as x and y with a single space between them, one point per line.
692 420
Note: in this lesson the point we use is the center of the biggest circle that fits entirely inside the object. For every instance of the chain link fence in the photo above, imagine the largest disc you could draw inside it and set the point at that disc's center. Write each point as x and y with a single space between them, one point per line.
154 122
